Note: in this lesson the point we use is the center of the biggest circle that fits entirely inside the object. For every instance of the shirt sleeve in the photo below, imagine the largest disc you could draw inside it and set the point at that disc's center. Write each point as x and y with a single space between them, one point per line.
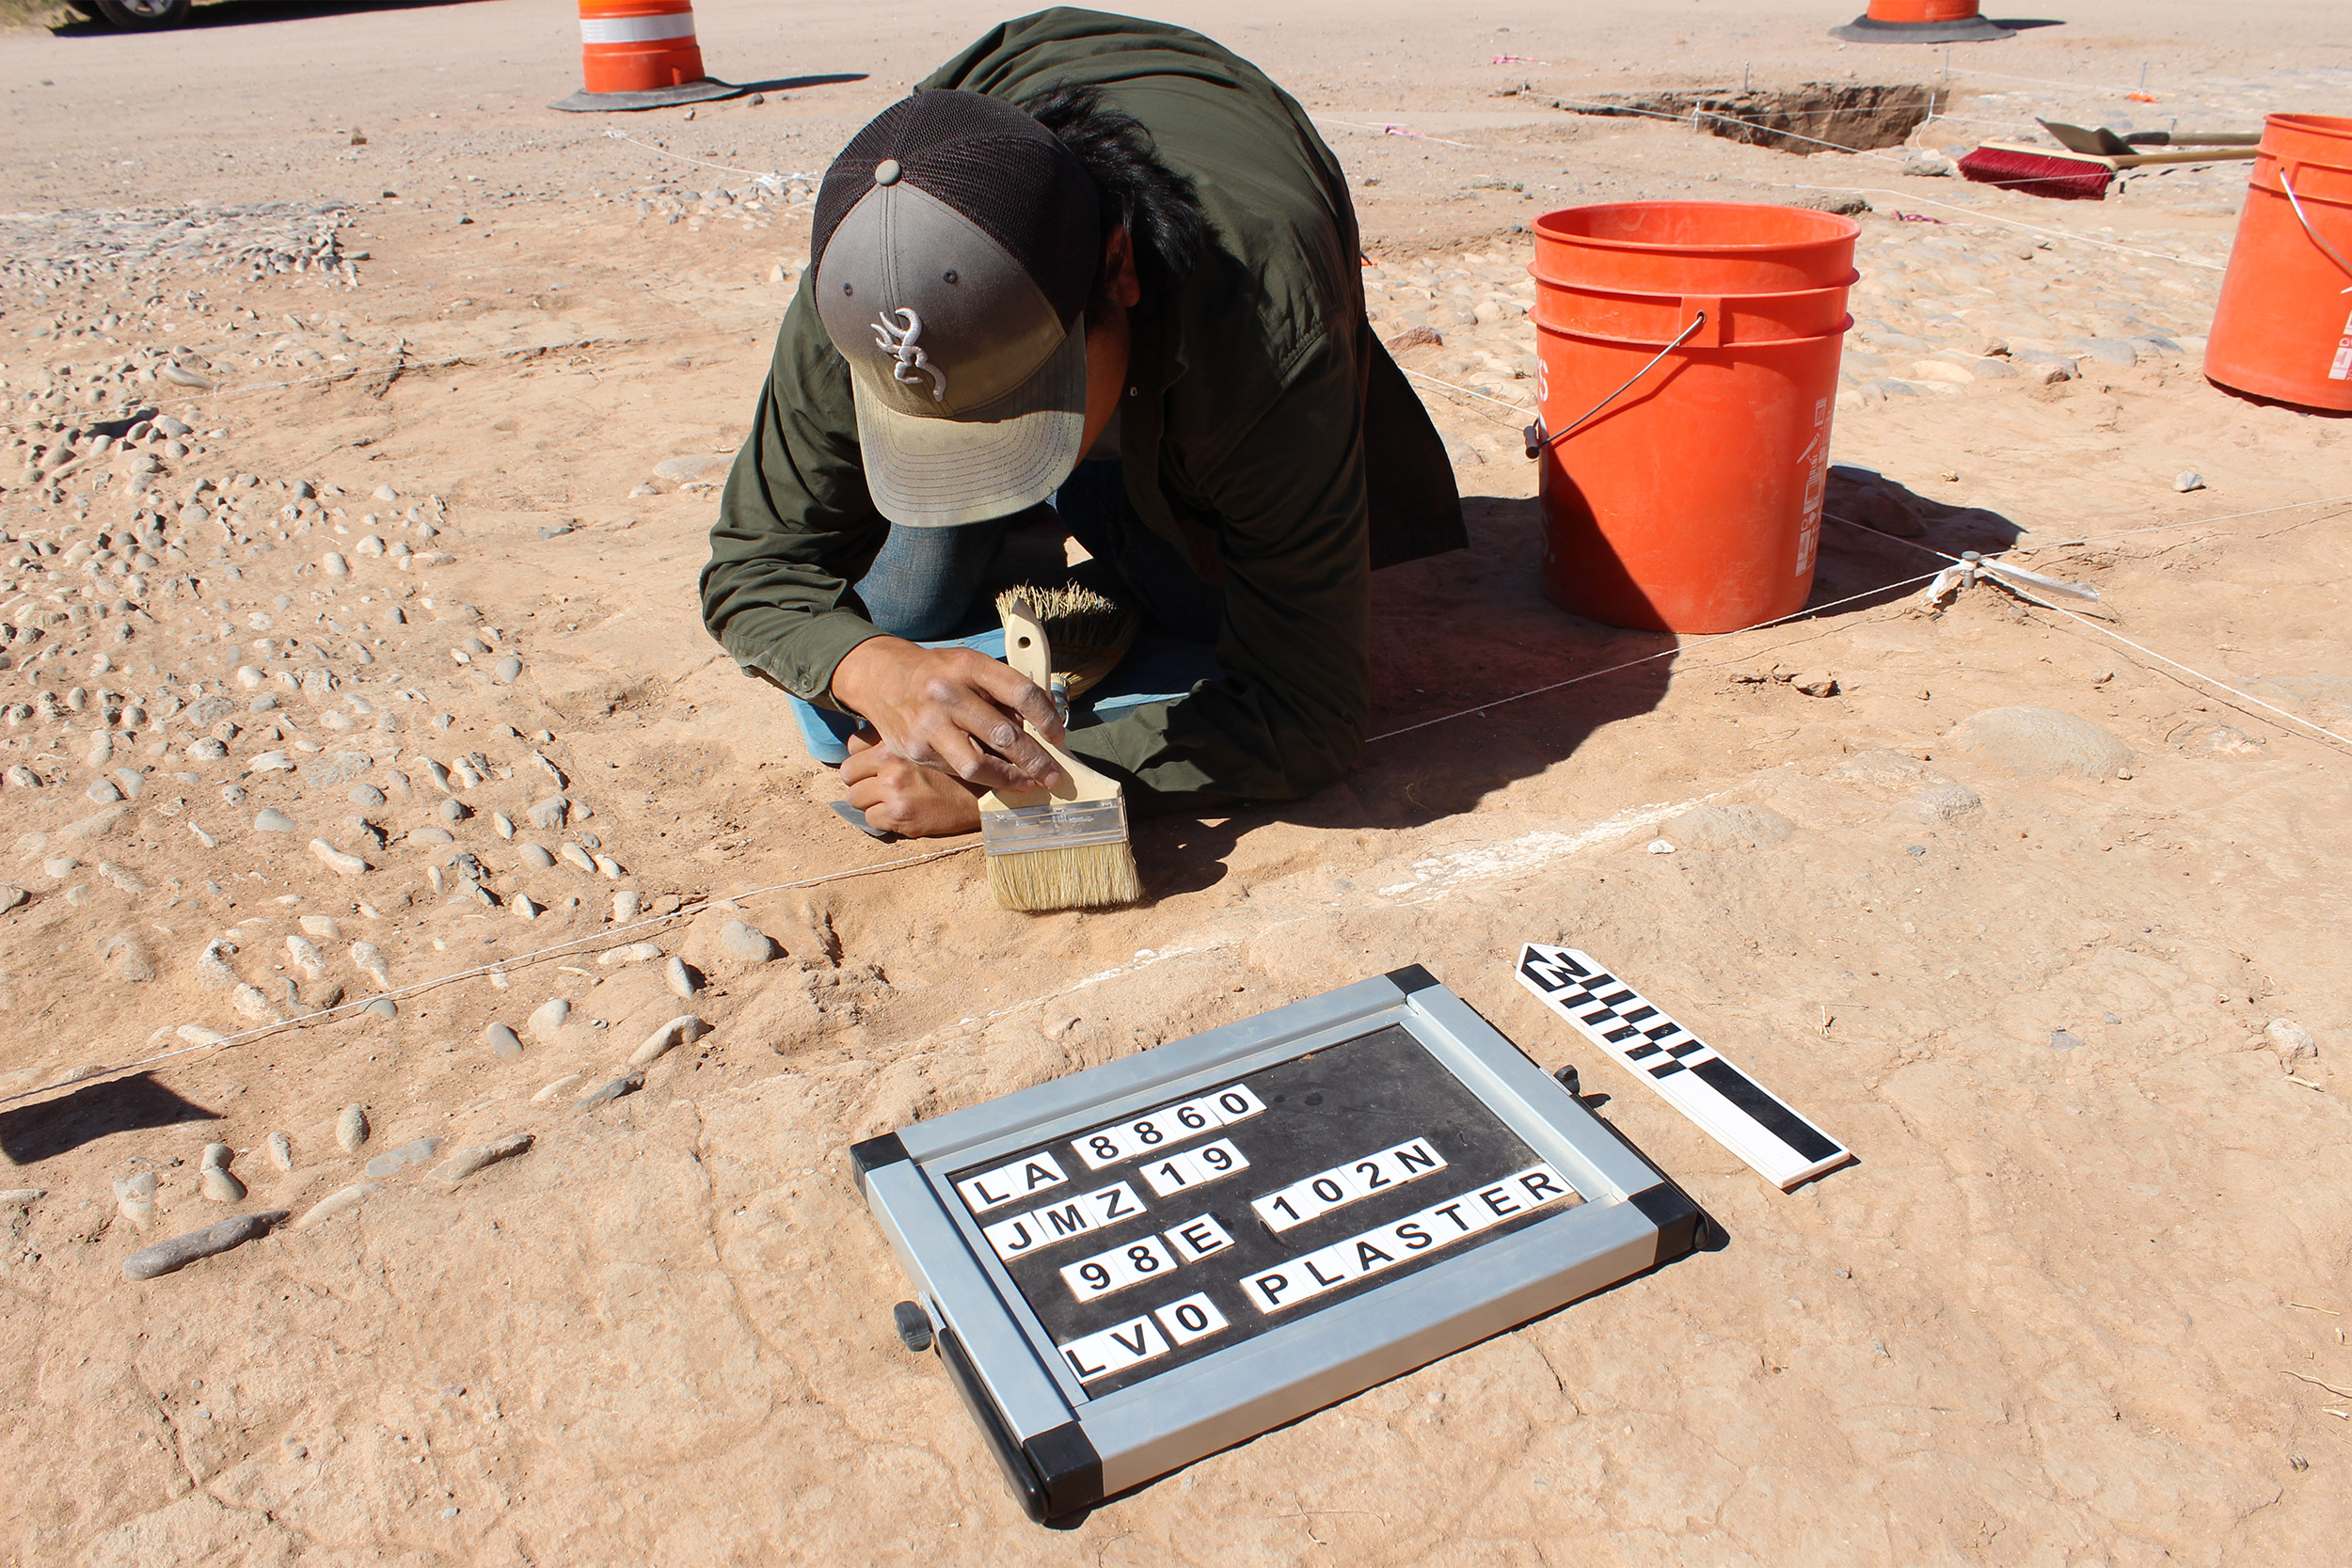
1288 712
796 524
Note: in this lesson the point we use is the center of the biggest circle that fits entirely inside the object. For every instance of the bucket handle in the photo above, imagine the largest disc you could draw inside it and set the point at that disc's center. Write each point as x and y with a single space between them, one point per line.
2297 202
1538 441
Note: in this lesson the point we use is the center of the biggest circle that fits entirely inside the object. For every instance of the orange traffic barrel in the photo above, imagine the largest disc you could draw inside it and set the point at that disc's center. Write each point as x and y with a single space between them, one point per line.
1921 22
639 55
2283 326
1687 357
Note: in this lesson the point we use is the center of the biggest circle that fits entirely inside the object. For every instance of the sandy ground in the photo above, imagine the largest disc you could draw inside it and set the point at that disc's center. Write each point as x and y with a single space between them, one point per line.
2081 1301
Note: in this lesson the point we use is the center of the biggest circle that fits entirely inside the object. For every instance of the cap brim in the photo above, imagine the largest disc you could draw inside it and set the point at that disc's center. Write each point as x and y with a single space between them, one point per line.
990 463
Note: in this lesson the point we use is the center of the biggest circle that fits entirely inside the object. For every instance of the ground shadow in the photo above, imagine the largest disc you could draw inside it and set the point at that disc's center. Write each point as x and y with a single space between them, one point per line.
1880 537
247 13
2261 402
2024 23
47 1128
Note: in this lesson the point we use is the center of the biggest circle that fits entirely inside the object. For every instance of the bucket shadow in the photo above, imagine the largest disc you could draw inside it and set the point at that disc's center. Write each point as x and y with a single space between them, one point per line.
47 1128
1879 536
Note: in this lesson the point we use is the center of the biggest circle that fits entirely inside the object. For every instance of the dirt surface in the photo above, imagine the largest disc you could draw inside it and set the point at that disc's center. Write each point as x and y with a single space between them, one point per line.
414 559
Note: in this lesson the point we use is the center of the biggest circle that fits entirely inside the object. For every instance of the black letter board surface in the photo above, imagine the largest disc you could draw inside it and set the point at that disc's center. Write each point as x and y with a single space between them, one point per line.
1141 1263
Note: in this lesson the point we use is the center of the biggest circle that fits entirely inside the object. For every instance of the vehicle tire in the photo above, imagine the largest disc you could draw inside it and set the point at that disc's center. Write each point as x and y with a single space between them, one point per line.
143 14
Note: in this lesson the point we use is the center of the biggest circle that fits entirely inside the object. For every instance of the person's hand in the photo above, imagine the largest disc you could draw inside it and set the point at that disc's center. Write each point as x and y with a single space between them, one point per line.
898 796
954 710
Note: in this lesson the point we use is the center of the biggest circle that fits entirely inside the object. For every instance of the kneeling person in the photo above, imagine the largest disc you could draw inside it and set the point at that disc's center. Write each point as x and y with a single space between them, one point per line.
1085 237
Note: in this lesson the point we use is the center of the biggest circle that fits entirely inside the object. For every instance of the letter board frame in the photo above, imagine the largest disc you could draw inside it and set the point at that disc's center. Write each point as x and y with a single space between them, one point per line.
1062 1446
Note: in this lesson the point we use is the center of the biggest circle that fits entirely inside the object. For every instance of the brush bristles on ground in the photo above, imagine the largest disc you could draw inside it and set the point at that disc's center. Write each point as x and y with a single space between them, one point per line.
1087 877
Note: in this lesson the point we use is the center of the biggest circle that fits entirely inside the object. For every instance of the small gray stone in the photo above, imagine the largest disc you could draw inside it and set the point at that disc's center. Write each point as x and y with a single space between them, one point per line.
2292 1042
269 820
2061 1040
548 816
579 858
336 1203
366 796
683 1030
467 1161
681 980
547 1023
628 1082
535 856
281 1151
415 1152
130 781
2187 480
351 1129
221 1187
2107 351
104 792
2041 742
1945 803
504 1043
508 672
454 810
382 1006
626 904
179 1252
11 895
745 940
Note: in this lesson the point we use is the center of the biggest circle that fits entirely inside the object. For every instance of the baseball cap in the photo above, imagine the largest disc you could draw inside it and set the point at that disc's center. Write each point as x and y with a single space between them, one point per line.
956 245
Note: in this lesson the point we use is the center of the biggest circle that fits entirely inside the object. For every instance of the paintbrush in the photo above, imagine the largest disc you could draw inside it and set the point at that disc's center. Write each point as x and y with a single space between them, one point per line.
1063 849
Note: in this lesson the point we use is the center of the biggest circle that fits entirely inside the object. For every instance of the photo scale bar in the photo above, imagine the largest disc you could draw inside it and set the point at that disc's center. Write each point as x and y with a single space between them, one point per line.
1729 1106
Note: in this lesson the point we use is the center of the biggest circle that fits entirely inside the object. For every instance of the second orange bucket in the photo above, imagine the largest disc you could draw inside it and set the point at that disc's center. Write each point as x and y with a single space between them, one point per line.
2283 325
1690 501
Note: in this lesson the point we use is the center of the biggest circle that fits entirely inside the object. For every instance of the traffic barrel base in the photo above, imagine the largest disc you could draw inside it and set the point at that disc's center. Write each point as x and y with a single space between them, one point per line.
650 98
1921 22
641 55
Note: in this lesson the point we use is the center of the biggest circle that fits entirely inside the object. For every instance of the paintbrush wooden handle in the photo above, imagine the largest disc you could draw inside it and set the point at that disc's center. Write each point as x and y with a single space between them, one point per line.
1026 647
1030 653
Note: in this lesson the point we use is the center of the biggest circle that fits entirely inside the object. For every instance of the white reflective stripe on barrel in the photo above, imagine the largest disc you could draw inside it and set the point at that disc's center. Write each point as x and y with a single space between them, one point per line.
636 29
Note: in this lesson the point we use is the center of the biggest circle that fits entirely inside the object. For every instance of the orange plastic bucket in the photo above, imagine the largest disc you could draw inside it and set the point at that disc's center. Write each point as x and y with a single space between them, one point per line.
637 45
2283 326
1690 501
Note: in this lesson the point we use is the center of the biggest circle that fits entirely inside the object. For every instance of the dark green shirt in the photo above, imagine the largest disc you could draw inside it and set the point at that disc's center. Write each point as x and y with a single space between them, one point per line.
1241 435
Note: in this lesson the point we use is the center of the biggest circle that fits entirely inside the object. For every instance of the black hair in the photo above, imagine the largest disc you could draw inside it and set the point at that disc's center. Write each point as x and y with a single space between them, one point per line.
1156 206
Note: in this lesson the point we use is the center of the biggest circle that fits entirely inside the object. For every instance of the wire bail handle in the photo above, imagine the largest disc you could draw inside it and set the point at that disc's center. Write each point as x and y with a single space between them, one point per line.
1539 442
2318 239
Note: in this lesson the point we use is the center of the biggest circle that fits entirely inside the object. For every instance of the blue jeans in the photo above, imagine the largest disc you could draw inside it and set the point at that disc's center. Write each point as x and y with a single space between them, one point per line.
925 581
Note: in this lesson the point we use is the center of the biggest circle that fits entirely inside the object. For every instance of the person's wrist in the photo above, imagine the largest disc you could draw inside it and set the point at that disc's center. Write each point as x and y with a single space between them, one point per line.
859 671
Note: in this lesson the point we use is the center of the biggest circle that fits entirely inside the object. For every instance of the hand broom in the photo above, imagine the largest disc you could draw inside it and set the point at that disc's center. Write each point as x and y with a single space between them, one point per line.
2070 176
1086 633
1064 848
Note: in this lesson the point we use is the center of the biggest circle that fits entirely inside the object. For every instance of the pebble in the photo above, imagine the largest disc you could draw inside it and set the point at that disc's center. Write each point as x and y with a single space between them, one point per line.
681 980
2187 480
1658 846
509 670
11 895
1945 803
347 865
683 1030
548 1021
281 1151
252 1003
130 781
319 925
414 1152
368 960
177 1253
524 908
104 793
626 904
535 856
366 796
383 1007
579 858
335 565
269 820
745 940
608 869
628 1082
2041 742
2061 1040
504 1043
22 1198
550 1091
218 1184
337 1202
634 953
135 1197
351 1129
196 1033
466 1161
454 810
548 816
503 824
2292 1042
306 957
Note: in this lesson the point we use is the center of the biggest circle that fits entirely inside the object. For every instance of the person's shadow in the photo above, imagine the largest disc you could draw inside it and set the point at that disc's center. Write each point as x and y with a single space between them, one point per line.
1479 681
44 1128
